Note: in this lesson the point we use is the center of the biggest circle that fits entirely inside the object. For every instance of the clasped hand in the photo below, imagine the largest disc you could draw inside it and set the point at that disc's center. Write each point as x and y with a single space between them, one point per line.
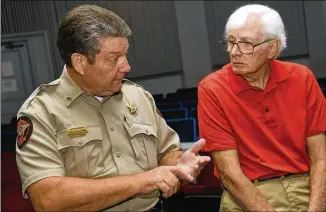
186 170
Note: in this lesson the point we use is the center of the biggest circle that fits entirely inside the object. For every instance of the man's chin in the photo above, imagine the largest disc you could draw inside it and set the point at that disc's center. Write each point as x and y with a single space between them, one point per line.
238 71
115 89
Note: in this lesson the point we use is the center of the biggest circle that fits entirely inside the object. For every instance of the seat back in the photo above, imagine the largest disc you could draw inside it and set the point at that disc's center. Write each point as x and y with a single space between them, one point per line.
168 105
174 113
186 128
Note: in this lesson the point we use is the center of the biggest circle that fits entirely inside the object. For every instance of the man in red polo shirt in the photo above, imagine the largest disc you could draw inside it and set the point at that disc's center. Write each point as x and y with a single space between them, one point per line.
264 120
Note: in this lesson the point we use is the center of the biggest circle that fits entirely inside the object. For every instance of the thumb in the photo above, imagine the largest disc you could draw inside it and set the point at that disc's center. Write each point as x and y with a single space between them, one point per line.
197 146
181 175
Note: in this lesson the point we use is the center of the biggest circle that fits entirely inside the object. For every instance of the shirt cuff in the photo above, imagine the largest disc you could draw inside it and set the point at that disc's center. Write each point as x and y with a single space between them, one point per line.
316 131
218 147
39 176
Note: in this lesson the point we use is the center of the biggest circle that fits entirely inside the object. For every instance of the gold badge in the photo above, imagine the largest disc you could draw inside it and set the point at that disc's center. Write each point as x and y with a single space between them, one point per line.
132 108
77 132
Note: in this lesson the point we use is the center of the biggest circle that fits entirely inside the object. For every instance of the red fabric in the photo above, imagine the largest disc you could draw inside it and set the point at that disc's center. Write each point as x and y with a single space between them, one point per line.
267 127
12 199
11 186
9 170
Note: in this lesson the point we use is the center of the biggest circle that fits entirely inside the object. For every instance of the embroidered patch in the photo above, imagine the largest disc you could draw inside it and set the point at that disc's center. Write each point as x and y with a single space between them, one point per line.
24 131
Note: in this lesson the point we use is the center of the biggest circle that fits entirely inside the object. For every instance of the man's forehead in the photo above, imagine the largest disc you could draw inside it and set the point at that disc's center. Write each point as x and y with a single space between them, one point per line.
246 32
114 44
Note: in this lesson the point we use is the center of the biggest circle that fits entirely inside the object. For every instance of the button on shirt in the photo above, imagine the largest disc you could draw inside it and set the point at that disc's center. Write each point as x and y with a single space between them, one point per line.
269 128
108 145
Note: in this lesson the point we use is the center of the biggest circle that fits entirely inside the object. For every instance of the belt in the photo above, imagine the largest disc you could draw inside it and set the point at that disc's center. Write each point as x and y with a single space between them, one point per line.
158 207
275 177
269 178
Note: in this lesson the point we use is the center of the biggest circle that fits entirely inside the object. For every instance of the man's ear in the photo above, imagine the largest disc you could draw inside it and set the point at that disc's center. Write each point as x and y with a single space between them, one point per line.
274 49
78 62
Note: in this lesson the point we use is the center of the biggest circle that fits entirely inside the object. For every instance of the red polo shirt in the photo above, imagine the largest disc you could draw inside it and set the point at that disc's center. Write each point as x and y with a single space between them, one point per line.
267 127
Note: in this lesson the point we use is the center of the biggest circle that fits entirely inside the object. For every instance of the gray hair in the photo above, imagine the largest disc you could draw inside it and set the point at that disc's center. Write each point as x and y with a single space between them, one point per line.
83 27
271 20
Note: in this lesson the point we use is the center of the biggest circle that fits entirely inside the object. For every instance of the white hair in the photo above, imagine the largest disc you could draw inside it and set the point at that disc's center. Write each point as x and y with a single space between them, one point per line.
271 20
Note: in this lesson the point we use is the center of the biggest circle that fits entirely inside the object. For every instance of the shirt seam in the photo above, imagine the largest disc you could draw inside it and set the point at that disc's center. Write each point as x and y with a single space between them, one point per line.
219 147
316 130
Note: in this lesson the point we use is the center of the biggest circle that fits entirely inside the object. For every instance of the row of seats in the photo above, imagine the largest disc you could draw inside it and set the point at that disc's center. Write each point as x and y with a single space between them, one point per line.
180 112
179 109
181 94
183 121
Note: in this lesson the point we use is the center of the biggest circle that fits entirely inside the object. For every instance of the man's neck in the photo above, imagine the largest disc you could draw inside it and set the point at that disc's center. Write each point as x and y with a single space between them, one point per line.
259 78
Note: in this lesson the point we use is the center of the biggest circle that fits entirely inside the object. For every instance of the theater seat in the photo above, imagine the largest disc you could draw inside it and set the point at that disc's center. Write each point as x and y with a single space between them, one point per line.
11 187
174 113
166 105
186 128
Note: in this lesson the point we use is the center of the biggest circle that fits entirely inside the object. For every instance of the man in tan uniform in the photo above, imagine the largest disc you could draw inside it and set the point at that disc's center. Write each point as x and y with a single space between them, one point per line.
92 140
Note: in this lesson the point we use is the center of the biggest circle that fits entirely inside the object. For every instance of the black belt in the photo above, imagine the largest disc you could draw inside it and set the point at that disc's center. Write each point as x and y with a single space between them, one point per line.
269 178
158 207
282 176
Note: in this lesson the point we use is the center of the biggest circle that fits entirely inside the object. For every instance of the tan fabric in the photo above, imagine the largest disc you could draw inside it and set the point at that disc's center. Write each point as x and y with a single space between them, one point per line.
284 194
109 141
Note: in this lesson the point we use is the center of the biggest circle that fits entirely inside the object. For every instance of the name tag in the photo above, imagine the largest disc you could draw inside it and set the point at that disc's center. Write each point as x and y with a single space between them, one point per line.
77 132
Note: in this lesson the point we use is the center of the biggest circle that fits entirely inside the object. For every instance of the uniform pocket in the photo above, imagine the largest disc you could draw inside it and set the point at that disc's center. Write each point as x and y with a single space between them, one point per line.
82 151
143 141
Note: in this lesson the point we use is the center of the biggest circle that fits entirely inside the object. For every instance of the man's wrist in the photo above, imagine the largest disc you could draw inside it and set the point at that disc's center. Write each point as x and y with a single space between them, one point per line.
316 208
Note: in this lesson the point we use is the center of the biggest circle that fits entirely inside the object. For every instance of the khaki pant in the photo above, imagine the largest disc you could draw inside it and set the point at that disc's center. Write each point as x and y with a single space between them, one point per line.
283 194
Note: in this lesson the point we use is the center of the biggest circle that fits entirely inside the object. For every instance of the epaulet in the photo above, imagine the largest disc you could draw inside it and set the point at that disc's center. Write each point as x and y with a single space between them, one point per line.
55 82
130 82
36 92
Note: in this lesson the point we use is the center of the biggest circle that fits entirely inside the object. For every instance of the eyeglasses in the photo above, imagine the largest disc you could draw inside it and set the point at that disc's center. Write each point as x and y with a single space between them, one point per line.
243 46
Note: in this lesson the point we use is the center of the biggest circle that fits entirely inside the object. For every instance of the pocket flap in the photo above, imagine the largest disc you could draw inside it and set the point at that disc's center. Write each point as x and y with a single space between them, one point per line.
138 128
91 134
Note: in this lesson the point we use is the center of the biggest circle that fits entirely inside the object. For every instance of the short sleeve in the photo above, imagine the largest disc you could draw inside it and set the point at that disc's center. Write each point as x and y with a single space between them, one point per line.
213 125
167 139
37 154
316 107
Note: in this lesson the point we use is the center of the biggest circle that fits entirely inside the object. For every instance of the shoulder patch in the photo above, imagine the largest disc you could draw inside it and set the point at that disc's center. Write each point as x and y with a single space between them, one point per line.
24 131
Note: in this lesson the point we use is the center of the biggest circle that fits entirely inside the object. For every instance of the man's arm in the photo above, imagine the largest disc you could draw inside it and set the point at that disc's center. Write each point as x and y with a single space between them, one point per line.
240 187
316 148
81 194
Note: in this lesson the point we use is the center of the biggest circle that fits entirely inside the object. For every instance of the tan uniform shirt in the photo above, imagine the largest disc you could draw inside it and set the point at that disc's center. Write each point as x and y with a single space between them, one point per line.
74 134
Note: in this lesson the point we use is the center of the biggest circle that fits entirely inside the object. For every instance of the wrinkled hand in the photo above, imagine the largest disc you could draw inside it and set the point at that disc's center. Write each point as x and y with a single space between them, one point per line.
191 163
163 178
